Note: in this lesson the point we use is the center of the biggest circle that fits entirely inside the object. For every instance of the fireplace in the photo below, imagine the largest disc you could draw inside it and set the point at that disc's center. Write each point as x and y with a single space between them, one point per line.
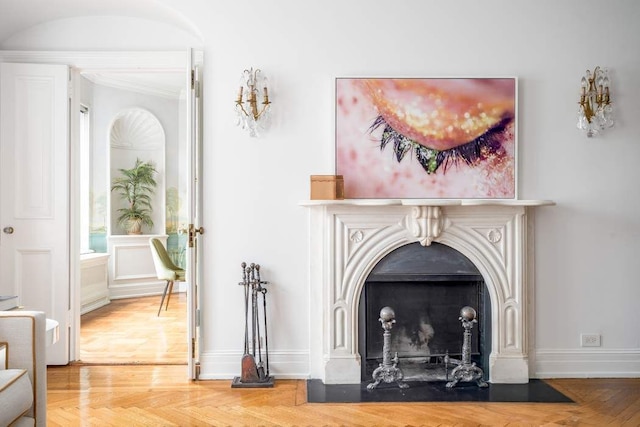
348 239
426 286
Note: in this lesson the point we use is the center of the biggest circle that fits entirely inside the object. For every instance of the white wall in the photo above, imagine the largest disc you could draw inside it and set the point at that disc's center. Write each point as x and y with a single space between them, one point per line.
585 246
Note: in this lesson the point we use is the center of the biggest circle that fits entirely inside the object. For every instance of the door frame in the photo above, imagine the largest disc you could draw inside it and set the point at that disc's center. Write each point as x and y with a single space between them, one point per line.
179 61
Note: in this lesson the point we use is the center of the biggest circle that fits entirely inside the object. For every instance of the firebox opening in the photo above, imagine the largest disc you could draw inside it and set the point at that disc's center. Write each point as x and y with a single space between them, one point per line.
426 287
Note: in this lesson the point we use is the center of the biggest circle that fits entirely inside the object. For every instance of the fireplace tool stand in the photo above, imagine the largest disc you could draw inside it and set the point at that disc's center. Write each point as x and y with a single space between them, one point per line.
466 371
255 370
388 371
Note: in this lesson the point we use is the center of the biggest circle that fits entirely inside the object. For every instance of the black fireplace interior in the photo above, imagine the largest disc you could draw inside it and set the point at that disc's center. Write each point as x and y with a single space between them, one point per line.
426 287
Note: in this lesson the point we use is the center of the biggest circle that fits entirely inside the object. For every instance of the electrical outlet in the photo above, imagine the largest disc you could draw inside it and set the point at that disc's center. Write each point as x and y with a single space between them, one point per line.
590 340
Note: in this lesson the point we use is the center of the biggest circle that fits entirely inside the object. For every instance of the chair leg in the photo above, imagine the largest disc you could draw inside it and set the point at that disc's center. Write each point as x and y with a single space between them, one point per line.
164 295
169 295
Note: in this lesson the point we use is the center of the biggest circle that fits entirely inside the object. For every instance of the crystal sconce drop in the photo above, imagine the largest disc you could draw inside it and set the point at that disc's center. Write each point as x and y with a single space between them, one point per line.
595 112
252 103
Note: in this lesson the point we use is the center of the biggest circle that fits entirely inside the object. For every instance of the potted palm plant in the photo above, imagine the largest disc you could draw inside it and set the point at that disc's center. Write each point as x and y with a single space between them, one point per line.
136 186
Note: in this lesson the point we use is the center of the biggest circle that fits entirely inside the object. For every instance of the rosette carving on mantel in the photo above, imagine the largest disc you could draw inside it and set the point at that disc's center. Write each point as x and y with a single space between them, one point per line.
356 236
427 223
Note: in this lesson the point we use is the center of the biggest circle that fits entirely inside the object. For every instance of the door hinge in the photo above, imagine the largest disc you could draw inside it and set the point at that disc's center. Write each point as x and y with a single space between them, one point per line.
195 84
193 348
198 317
197 370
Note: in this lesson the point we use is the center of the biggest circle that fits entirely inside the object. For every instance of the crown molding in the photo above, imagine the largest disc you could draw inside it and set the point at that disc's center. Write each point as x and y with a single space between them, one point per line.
104 60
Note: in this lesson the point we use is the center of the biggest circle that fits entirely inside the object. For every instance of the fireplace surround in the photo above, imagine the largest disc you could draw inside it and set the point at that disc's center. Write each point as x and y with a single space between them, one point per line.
349 237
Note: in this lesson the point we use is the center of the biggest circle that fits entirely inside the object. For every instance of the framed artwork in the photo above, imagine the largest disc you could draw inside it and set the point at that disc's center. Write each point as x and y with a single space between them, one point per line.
441 138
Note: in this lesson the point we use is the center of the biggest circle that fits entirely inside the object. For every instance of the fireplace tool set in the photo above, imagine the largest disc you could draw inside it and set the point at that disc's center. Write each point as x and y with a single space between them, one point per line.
255 361
465 370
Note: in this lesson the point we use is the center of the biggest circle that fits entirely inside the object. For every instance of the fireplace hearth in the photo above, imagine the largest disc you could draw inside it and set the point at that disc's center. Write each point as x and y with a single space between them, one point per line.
536 391
348 238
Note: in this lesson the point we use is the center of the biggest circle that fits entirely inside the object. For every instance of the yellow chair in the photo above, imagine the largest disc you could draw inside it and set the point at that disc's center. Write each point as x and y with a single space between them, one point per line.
165 269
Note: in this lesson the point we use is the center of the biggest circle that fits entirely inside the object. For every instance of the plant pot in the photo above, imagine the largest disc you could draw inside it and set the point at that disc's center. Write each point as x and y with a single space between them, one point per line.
135 226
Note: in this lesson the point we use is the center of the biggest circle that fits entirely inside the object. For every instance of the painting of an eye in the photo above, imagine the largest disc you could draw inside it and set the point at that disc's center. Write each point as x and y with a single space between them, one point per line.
426 138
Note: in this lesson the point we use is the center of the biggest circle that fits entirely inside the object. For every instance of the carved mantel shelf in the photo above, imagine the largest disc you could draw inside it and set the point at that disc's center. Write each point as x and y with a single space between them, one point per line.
429 202
427 221
348 238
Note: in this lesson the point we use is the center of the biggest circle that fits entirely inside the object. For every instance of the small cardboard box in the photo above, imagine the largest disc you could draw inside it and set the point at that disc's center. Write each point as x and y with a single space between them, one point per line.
327 187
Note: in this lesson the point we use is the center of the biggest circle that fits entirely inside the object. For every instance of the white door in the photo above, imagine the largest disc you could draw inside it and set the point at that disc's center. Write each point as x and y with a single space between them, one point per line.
194 204
34 192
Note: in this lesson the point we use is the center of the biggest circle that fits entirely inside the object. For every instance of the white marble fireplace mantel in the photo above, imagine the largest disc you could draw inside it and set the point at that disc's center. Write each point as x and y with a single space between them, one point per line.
349 237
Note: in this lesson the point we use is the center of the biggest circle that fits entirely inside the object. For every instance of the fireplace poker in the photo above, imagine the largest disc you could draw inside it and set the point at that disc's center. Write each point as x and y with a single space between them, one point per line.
263 290
256 318
253 308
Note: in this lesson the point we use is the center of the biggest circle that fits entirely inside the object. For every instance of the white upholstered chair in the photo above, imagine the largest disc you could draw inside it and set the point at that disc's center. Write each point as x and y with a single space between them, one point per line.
23 372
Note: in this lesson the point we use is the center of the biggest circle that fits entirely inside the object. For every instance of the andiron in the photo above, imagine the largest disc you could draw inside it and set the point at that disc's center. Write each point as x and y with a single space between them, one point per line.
388 371
466 371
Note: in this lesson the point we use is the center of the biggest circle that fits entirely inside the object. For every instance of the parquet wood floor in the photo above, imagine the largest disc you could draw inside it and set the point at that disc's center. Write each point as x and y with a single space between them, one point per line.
129 331
145 395
151 391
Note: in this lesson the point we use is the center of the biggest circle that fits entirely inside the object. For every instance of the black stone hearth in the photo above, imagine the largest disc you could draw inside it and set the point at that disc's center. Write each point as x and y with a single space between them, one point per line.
536 391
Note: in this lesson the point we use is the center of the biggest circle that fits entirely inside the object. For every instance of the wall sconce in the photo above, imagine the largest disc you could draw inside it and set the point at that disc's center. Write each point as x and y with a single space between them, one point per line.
595 112
252 103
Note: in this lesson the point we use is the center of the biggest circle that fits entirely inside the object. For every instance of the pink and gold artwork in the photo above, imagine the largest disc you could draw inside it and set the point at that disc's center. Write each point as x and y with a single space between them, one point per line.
450 138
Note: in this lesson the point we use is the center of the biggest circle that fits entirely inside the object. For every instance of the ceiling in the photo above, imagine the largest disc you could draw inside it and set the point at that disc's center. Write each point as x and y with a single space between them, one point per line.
19 15
165 84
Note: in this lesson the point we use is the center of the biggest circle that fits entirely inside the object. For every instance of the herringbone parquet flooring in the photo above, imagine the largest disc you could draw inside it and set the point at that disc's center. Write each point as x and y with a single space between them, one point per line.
129 331
150 392
145 395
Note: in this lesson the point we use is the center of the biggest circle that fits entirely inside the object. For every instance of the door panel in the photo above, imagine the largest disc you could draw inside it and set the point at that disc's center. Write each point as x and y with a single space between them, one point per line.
34 192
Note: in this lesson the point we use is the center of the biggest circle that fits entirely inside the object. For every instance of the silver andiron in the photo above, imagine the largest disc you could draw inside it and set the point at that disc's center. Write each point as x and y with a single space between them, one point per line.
388 370
466 371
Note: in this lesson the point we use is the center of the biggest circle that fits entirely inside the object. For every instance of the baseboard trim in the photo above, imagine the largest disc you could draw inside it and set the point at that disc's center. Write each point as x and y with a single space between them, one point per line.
587 363
555 363
136 290
94 305
283 364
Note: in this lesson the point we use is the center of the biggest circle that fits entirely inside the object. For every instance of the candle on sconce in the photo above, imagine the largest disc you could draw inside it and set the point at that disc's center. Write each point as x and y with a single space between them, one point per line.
240 94
595 112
